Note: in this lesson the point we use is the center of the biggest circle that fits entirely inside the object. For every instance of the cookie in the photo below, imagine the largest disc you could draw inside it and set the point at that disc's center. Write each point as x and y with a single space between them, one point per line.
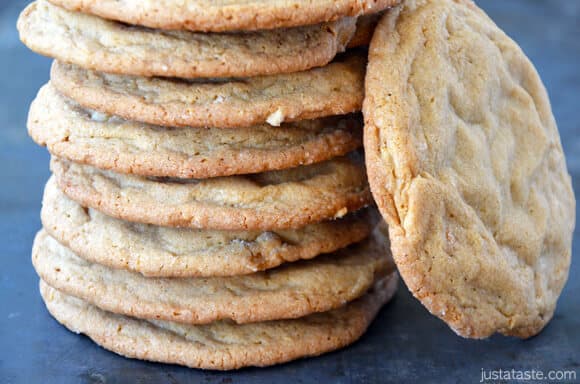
285 199
102 45
335 89
106 142
220 345
365 26
291 291
466 165
181 252
220 16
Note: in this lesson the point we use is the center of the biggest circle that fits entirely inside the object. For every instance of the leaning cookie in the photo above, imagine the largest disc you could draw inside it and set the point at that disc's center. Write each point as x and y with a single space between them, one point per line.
335 89
103 45
465 163
285 199
107 142
287 292
220 16
221 345
182 252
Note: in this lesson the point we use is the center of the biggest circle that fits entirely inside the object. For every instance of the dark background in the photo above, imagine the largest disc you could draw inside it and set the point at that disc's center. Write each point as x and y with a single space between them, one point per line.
404 343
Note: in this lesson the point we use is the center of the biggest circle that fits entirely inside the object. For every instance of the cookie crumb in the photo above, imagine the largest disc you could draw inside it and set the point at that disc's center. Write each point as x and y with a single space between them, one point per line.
276 118
340 213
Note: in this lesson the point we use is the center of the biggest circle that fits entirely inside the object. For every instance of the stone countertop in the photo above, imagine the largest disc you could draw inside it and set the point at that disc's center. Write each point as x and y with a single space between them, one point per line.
404 343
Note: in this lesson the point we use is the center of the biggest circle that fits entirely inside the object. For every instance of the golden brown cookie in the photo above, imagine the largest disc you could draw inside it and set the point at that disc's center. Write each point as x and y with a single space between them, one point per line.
220 345
285 199
103 45
287 292
182 252
107 142
335 89
465 162
228 15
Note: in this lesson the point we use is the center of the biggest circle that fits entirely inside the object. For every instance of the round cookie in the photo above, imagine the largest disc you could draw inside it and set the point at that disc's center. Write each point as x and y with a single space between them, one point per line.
466 165
221 345
181 252
335 89
285 199
288 292
106 142
102 45
220 16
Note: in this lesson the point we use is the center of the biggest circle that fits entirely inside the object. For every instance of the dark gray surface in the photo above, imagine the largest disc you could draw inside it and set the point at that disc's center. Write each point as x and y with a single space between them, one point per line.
404 343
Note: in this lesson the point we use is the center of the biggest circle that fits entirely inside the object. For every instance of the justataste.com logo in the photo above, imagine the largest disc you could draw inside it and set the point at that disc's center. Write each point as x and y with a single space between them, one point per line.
526 375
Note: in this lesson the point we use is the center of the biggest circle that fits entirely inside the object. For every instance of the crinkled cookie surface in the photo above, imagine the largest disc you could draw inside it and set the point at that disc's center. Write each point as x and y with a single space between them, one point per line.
465 163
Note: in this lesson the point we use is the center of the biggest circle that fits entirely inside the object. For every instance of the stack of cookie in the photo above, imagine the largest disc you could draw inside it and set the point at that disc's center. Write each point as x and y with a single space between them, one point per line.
208 206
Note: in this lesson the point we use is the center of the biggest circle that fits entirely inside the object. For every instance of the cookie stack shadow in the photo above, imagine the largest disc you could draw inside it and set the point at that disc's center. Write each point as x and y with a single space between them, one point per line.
208 204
